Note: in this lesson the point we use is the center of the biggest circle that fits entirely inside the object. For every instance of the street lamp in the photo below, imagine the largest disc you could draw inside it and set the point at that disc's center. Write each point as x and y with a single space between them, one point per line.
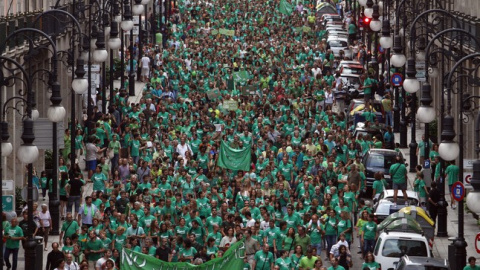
368 12
426 113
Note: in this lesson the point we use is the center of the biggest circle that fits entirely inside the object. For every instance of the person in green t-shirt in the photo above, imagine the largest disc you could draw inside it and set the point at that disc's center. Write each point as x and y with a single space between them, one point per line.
263 259
69 227
367 90
13 234
94 247
335 265
369 234
420 187
370 262
114 146
308 261
398 173
451 175
471 264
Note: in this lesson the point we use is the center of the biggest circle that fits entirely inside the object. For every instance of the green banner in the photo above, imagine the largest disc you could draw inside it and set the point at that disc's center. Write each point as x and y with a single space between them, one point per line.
234 159
285 7
241 76
226 32
232 259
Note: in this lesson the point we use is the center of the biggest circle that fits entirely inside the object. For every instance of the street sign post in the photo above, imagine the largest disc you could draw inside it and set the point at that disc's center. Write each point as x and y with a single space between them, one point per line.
7 203
477 243
458 191
427 164
397 79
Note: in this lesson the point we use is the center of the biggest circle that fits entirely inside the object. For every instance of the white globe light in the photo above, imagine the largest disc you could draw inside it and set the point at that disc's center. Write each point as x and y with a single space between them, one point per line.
380 6
56 113
362 2
100 55
472 201
376 25
27 153
398 60
127 25
411 85
145 2
118 18
138 9
7 149
114 43
425 114
84 56
420 56
80 85
433 72
368 12
448 150
35 114
386 42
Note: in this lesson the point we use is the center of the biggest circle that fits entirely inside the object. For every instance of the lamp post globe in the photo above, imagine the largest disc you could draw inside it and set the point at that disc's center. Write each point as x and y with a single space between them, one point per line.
114 43
398 60
448 150
80 85
386 42
368 12
138 9
362 2
411 85
145 2
375 25
426 114
27 153
100 55
56 113
35 114
7 149
126 25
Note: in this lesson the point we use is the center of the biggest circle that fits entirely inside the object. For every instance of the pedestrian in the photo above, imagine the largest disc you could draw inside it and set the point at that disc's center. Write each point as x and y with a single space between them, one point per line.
13 235
471 264
45 224
74 190
54 257
420 188
263 259
398 173
451 176
370 262
433 199
69 228
369 235
87 213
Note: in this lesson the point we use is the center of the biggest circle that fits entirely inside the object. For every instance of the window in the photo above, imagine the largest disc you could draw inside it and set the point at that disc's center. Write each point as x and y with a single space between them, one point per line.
338 43
377 246
396 248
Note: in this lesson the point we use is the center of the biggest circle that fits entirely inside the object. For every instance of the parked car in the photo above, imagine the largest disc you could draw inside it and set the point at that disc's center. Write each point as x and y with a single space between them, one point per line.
384 207
391 246
356 69
379 160
373 132
357 106
422 263
338 44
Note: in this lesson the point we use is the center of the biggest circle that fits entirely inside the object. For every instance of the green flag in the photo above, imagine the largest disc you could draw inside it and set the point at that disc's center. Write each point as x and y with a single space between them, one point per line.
234 159
285 7
232 259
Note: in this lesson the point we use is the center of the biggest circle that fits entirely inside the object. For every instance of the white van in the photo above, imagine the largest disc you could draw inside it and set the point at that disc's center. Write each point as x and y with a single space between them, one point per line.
391 246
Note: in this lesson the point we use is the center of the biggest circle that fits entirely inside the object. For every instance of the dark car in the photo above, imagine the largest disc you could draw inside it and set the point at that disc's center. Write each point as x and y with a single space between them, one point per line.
379 160
422 263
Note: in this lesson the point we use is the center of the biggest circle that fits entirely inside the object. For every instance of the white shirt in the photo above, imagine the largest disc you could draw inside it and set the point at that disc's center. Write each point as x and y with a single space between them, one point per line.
145 62
45 219
316 71
251 223
182 149
72 266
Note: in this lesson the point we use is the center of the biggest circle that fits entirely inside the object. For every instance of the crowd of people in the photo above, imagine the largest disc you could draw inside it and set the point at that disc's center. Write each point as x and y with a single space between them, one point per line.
157 188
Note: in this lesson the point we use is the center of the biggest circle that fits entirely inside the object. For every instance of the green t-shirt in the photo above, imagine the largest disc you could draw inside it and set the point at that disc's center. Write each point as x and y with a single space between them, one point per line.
368 90
371 265
115 145
398 173
370 230
263 261
69 228
285 264
94 245
452 173
307 263
13 232
419 186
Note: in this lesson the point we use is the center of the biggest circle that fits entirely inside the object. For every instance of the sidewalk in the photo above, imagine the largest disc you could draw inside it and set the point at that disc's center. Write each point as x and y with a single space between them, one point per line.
87 190
440 246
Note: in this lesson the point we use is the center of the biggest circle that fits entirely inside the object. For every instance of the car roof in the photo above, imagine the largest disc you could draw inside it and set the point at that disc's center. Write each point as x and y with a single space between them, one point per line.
353 65
350 75
383 151
427 261
410 194
404 235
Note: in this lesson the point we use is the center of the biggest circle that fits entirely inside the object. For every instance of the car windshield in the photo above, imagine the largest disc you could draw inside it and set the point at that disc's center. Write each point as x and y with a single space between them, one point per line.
350 80
396 248
337 43
380 161
349 70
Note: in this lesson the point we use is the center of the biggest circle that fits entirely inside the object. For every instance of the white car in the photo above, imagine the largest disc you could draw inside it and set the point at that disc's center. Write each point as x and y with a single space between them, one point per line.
383 205
391 246
338 44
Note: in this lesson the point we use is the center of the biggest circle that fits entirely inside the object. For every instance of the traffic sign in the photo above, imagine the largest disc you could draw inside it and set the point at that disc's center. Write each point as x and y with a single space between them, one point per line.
7 203
467 176
458 191
397 79
477 242
7 185
427 164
